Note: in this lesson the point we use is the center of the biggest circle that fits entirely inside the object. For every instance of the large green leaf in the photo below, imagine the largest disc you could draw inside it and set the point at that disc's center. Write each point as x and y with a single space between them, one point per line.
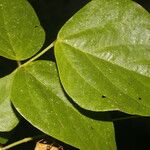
21 35
38 96
8 119
103 57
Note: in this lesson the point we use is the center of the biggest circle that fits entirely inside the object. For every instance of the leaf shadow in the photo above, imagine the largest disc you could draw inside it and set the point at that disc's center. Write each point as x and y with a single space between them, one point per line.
6 66
16 112
101 116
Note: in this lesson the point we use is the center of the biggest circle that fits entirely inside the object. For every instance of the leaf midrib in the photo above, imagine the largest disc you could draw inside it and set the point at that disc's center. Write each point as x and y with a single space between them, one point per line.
58 98
91 85
47 87
112 84
63 42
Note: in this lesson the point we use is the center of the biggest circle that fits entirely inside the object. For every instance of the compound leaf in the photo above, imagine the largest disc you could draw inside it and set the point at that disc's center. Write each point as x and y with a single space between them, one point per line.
38 96
103 57
21 35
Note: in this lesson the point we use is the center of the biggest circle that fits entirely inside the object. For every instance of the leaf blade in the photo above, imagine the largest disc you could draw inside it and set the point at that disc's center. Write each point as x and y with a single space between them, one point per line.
21 33
51 112
103 57
8 119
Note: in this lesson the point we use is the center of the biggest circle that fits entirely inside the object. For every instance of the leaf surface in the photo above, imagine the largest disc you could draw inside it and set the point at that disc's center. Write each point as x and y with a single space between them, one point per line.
103 57
38 96
3 140
21 34
8 118
6 136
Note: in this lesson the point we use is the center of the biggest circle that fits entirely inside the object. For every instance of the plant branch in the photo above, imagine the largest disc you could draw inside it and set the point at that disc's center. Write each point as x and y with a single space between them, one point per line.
17 143
28 139
39 54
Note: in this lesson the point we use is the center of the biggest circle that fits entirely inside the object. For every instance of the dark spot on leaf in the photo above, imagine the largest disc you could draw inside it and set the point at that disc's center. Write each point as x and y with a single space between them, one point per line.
92 128
140 98
103 96
36 26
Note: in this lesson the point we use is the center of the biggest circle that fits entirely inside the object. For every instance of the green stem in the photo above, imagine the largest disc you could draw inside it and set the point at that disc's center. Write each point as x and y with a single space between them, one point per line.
16 143
28 139
19 63
39 54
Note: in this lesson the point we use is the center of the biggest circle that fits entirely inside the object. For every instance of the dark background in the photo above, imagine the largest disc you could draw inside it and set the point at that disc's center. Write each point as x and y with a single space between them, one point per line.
133 134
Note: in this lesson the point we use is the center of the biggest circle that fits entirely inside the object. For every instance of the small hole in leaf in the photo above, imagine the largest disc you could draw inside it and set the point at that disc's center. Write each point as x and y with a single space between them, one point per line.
140 98
36 26
103 96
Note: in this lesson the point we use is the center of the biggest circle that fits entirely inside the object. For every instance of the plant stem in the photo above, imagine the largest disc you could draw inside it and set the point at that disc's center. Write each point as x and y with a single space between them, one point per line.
17 143
21 142
39 54
19 63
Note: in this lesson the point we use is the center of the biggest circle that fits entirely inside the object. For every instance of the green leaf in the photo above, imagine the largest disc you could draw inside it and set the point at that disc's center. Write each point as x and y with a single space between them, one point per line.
6 136
21 35
103 57
3 140
38 96
8 118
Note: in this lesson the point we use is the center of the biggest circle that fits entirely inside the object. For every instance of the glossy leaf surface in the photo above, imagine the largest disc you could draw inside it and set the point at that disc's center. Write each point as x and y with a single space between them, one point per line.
8 119
38 96
103 57
21 35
